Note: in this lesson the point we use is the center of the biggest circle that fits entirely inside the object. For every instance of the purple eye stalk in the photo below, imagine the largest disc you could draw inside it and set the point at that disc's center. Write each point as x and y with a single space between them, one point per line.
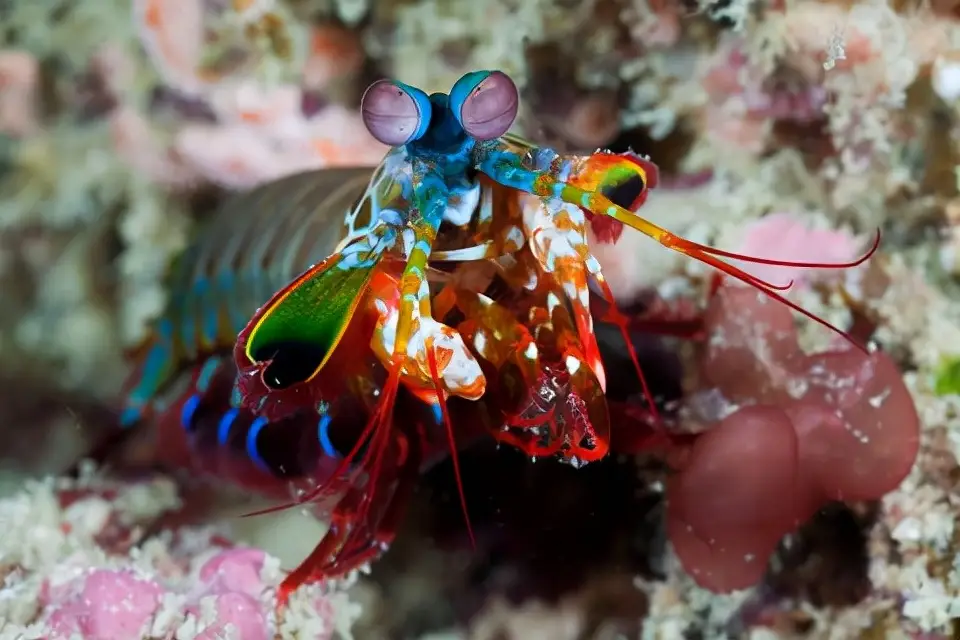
485 103
395 113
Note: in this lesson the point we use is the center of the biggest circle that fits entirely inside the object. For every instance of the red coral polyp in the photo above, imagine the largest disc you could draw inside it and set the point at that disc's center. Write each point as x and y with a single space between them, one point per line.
809 429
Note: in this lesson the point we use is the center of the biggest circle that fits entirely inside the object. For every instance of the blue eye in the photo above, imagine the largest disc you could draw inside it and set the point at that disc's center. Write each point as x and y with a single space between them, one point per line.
395 113
485 103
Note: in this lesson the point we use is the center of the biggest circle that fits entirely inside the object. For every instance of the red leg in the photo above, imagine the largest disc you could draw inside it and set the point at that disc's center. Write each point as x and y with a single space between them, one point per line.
364 522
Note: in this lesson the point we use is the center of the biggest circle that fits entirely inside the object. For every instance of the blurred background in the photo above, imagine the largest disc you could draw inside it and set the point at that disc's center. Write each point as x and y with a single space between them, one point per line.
788 128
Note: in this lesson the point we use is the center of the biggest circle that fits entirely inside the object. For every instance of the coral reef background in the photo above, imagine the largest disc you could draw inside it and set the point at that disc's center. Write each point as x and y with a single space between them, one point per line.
784 128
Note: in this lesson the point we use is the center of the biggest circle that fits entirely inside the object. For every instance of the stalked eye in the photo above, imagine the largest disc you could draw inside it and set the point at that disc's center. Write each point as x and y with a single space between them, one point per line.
395 113
290 362
485 103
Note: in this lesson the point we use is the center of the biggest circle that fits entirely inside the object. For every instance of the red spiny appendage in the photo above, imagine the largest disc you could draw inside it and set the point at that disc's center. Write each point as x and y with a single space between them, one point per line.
563 416
374 488
451 438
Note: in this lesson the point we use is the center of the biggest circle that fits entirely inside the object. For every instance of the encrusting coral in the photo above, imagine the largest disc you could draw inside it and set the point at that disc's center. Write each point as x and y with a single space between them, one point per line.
91 559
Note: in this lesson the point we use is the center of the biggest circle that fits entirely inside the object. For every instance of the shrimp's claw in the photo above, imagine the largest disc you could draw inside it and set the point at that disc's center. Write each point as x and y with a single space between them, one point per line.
364 522
371 486
563 413
550 401
292 337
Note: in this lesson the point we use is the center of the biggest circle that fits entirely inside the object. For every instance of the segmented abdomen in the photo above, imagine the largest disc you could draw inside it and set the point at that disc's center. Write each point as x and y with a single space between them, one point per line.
255 244
198 428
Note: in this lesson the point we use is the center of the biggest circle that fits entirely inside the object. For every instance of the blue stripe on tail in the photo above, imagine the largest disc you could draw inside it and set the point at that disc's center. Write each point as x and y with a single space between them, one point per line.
323 435
252 450
188 412
226 423
153 374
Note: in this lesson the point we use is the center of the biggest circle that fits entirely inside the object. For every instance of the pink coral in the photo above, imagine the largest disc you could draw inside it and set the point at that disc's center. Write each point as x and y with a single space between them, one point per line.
783 236
231 611
191 584
104 605
335 53
112 604
231 584
116 605
805 429
172 32
234 570
742 102
266 136
260 136
260 133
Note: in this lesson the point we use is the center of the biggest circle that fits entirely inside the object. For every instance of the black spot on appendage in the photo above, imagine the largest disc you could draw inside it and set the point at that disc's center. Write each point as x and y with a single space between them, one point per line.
625 193
290 362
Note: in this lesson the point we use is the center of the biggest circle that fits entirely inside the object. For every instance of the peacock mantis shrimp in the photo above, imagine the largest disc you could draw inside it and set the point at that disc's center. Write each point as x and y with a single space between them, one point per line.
455 302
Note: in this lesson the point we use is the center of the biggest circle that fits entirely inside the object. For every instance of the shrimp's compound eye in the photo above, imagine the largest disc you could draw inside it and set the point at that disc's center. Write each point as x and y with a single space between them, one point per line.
395 113
485 103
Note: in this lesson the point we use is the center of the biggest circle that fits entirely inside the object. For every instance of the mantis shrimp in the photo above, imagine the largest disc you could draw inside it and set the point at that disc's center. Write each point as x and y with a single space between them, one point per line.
455 302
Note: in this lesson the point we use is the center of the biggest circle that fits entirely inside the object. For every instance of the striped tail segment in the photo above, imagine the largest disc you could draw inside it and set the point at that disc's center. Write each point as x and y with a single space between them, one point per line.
202 429
254 245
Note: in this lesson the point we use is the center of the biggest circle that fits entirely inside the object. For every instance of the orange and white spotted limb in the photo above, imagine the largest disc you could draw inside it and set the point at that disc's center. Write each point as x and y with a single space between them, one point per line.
556 234
550 403
457 371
